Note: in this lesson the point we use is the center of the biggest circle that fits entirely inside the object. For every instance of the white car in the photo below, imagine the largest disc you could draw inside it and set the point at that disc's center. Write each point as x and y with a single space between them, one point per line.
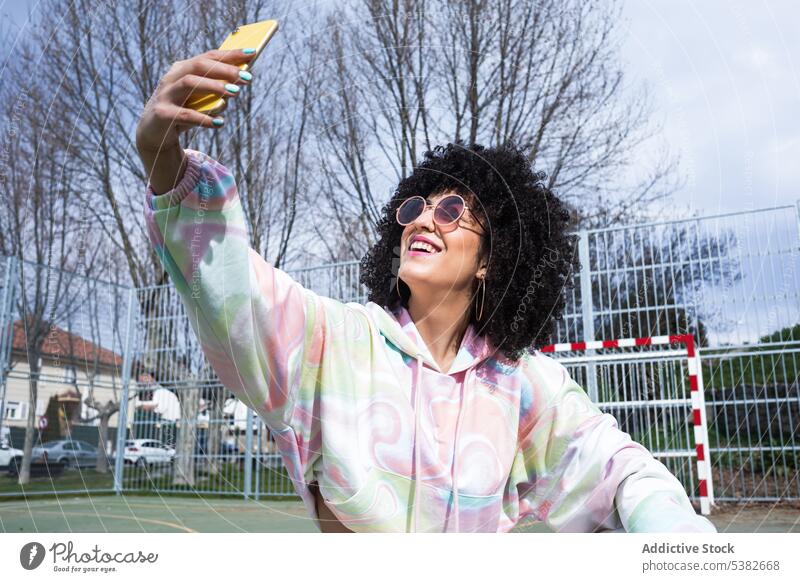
143 452
7 452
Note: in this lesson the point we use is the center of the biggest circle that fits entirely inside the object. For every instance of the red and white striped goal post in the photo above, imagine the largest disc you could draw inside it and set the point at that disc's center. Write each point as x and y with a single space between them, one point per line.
697 396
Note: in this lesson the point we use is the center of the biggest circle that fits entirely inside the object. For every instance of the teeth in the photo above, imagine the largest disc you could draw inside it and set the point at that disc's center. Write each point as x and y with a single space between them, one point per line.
423 246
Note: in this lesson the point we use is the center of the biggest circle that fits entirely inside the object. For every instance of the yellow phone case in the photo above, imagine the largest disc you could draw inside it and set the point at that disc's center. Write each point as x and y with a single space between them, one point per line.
255 35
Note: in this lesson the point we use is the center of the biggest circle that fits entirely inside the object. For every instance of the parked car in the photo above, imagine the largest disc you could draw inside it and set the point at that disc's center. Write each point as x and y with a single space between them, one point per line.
7 453
39 467
71 453
143 452
11 461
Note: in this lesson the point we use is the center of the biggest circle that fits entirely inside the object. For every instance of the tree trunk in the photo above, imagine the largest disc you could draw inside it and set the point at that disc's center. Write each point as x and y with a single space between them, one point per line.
30 425
184 451
102 457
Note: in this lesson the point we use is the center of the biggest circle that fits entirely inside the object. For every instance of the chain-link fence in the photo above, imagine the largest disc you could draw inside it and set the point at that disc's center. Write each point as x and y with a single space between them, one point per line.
732 281
62 358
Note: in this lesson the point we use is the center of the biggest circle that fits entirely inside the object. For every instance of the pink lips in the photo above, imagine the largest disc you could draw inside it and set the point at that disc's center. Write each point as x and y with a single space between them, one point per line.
419 237
426 240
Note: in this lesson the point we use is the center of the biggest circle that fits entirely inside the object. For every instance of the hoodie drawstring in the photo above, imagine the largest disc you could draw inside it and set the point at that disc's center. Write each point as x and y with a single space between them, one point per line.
461 407
416 439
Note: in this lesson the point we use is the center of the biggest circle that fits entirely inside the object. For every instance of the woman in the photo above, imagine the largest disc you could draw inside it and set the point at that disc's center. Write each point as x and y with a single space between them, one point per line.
427 408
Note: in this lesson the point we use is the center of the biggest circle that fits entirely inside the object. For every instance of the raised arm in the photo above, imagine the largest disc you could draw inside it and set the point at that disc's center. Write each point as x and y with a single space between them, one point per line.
273 343
578 472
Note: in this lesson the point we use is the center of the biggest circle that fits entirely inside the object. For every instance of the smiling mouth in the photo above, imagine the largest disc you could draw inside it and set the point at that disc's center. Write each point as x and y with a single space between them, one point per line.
418 248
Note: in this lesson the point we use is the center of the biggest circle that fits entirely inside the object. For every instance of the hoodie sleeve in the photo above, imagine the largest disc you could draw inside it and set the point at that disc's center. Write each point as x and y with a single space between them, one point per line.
578 472
271 342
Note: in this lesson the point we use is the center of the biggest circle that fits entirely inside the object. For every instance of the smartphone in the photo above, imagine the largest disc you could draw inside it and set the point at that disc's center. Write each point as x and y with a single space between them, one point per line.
255 35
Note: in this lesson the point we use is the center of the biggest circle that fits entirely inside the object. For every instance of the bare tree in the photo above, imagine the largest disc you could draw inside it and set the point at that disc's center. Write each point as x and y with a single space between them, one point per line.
543 74
263 144
38 223
373 121
267 129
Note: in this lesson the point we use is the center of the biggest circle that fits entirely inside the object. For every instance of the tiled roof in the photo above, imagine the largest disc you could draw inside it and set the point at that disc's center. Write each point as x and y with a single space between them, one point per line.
57 344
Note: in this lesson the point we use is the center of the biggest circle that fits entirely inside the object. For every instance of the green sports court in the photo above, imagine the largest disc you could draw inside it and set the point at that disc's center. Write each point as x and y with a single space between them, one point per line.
161 514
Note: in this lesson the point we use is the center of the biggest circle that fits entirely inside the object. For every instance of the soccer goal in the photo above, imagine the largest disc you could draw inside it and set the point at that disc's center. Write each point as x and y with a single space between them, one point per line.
653 386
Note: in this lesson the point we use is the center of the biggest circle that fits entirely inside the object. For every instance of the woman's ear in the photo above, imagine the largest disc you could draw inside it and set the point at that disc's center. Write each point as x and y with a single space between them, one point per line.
483 266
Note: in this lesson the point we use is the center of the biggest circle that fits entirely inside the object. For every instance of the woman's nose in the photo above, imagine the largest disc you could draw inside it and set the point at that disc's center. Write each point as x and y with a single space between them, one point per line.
426 218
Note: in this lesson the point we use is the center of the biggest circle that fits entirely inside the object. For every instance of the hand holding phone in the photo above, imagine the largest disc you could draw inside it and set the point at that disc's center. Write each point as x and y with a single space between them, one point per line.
166 114
250 37
189 95
194 91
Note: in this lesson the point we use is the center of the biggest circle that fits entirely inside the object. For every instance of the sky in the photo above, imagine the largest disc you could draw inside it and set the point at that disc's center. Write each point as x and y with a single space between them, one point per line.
725 83
725 79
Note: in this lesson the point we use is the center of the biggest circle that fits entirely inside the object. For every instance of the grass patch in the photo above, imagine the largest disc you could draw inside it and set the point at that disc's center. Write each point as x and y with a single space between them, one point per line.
229 480
72 479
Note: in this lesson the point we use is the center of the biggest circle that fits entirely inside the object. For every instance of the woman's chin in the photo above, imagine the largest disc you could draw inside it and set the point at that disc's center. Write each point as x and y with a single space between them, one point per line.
412 270
424 280
422 260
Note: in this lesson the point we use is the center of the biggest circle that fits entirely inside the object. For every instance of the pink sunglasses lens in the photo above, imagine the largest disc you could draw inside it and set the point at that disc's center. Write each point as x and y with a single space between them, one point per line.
410 210
449 210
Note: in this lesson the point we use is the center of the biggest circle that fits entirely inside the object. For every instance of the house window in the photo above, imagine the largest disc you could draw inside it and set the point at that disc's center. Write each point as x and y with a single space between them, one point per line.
69 375
16 410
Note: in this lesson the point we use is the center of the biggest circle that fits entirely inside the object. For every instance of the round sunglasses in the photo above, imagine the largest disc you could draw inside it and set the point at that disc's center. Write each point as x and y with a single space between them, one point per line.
445 212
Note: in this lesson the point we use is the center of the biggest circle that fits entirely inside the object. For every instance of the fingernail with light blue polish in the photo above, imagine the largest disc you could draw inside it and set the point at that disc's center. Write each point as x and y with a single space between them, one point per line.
248 51
245 76
217 121
232 88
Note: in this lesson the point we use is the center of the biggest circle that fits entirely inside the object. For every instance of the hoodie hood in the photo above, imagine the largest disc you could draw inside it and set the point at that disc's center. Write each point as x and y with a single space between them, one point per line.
397 326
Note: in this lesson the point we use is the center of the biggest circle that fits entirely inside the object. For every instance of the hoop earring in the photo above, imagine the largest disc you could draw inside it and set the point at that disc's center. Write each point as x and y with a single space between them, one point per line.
482 285
397 286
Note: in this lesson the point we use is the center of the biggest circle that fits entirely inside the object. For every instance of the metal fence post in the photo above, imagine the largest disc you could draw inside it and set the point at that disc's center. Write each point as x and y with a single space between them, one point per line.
6 328
248 455
259 459
122 425
587 311
797 216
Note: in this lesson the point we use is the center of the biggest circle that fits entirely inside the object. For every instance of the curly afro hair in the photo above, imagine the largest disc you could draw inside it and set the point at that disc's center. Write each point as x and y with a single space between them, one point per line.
531 253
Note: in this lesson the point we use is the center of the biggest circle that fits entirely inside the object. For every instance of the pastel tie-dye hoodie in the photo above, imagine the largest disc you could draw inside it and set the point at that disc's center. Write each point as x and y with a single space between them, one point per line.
355 401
